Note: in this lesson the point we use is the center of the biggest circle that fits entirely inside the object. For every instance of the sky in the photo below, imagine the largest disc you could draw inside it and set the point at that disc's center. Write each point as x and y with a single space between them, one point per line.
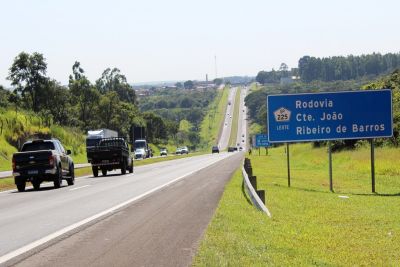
178 39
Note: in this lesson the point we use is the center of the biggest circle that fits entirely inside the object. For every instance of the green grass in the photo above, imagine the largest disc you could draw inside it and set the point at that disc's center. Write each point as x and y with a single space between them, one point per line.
310 225
18 127
212 122
235 119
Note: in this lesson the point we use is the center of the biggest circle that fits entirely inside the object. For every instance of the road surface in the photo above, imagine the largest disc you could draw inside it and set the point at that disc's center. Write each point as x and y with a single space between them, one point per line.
227 126
34 215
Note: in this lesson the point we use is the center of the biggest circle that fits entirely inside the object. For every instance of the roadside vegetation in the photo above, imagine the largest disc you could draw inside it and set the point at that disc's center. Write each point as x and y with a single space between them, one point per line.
309 224
213 121
235 119
40 107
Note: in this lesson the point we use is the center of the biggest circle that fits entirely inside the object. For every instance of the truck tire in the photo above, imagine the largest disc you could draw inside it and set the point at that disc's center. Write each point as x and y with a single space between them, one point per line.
71 179
95 171
104 171
21 186
58 178
36 184
123 167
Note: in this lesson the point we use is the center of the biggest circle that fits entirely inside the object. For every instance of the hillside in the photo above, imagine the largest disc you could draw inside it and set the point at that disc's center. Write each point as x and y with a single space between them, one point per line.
16 128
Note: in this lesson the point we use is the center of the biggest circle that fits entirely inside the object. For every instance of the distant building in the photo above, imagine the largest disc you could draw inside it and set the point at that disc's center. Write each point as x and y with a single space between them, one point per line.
288 80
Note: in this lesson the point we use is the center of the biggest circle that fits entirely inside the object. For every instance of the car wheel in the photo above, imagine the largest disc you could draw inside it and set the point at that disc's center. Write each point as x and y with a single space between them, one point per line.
71 179
21 186
123 167
104 171
58 178
95 171
36 184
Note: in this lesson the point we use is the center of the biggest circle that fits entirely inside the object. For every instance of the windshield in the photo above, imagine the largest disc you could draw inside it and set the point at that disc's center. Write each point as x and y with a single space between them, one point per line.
140 144
38 146
92 142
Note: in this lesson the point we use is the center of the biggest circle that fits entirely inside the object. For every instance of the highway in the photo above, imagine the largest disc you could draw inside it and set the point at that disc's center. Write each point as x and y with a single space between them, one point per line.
155 216
242 137
227 127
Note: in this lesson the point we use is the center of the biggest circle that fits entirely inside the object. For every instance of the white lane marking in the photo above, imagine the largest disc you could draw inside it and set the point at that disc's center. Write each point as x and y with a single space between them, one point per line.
76 188
58 233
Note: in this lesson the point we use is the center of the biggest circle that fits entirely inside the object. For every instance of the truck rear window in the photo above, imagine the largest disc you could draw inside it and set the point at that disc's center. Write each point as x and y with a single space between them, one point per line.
38 146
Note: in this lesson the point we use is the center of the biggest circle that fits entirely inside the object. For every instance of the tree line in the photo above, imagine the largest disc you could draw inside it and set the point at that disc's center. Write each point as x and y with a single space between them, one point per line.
337 68
110 102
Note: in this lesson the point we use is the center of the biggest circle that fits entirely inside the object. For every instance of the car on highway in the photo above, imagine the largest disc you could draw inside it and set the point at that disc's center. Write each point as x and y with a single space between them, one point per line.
178 151
42 160
231 149
214 149
163 152
240 148
184 150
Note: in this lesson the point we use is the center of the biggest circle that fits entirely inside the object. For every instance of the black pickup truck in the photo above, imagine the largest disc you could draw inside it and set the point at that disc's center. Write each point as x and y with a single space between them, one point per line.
42 160
110 154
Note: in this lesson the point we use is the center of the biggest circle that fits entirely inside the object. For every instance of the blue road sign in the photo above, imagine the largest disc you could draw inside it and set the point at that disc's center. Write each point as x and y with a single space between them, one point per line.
330 116
262 140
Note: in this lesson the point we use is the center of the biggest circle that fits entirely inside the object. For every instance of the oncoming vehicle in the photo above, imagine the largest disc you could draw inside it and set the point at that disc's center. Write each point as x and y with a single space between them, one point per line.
178 151
163 152
184 150
214 149
141 149
42 160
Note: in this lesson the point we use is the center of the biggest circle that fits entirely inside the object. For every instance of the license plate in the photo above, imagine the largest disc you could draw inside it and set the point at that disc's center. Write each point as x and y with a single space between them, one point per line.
33 172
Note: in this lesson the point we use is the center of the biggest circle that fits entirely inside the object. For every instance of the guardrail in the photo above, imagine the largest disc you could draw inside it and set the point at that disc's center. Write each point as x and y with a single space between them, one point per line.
257 196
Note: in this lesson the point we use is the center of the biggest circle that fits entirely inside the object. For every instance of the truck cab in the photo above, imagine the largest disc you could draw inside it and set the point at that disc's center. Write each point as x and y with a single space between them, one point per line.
141 149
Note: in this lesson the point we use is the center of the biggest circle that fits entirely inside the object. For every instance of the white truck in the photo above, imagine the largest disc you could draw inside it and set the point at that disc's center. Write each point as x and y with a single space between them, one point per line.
141 149
94 136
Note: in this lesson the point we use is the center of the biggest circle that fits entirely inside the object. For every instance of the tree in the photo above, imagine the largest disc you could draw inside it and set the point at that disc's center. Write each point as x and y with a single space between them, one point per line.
84 95
284 69
179 85
28 75
57 102
188 84
155 126
113 80
4 96
218 81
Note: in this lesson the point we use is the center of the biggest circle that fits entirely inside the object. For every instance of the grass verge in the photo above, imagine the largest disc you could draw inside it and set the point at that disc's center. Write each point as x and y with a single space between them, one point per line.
212 121
310 225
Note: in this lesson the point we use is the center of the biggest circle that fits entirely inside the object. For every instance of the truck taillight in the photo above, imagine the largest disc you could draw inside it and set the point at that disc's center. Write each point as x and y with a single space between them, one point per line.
51 160
13 164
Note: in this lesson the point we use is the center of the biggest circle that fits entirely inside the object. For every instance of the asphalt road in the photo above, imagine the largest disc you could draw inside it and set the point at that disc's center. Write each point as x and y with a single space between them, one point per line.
227 127
32 218
242 123
163 229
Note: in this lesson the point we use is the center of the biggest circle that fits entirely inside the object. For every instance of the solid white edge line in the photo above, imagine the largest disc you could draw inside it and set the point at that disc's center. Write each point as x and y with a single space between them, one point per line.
58 233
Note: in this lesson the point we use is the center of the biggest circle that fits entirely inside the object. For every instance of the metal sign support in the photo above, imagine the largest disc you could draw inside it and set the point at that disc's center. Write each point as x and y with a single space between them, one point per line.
288 163
372 164
330 166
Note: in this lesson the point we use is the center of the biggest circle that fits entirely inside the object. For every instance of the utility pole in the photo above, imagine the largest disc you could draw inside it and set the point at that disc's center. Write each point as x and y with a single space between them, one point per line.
215 63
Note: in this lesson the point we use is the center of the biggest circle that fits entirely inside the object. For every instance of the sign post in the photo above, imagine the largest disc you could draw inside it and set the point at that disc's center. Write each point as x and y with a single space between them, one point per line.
330 166
288 164
372 164
363 114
